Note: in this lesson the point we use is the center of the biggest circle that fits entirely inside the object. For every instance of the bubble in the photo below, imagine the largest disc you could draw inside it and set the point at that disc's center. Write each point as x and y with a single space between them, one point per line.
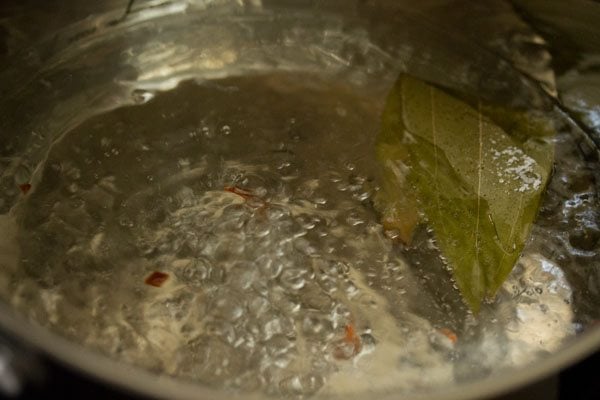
227 306
221 329
317 326
226 130
273 326
342 187
282 300
392 234
73 188
314 298
22 174
258 306
362 196
443 340
233 222
354 219
279 345
585 238
243 274
304 246
210 359
275 213
193 272
293 278
269 268
306 223
350 288
328 284
175 307
126 222
301 385
234 244
259 229
539 290
185 197
141 96
343 350
368 342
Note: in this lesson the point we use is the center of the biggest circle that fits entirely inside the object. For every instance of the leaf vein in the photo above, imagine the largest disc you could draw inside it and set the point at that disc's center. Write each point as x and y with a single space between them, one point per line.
435 155
480 160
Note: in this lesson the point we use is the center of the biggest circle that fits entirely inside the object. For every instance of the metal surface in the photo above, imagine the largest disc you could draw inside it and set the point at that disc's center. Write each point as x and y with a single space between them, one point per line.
66 62
138 381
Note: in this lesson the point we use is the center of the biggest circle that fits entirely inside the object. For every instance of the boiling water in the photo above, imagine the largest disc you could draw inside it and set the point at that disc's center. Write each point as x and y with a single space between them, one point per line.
252 196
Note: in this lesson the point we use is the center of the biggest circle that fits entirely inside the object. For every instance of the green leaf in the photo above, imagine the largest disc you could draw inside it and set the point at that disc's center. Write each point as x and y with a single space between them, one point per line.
477 185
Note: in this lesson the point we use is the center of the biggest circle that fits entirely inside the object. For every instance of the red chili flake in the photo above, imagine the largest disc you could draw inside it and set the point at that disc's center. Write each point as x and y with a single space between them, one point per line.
251 199
349 346
449 334
246 194
352 337
156 279
25 187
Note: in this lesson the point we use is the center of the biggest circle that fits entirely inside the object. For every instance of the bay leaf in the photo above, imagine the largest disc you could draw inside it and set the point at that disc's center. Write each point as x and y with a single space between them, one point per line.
477 185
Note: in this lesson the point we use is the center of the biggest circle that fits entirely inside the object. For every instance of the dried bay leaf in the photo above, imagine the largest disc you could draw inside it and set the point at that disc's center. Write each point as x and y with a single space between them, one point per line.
477 185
